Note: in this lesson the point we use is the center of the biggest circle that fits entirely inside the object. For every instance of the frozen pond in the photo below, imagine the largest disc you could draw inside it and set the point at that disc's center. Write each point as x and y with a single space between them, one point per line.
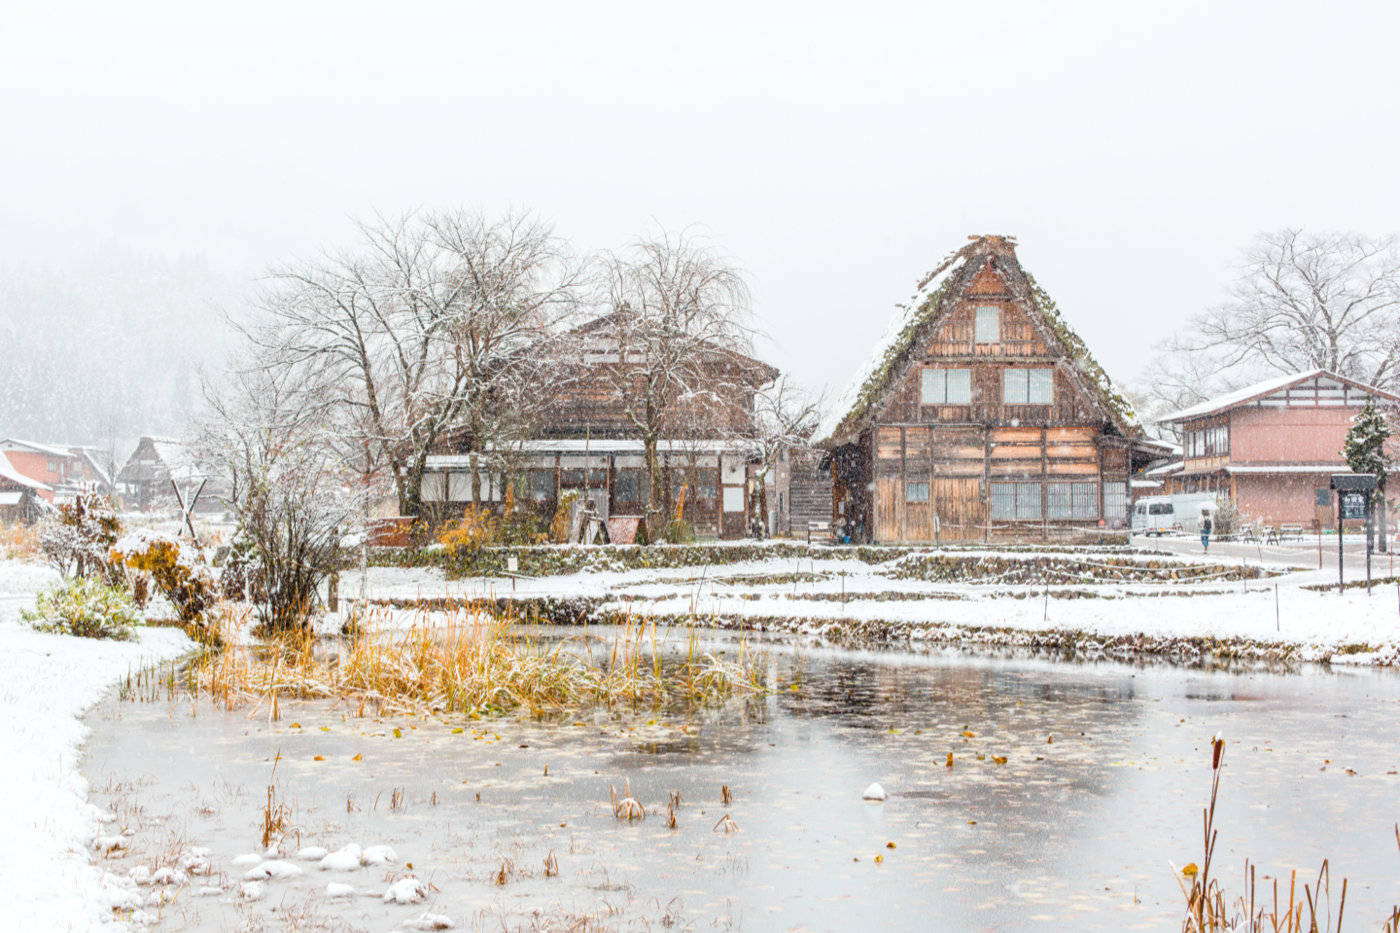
1074 833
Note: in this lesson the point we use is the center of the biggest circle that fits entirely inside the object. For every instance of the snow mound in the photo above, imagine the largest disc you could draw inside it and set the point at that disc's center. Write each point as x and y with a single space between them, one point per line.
346 858
378 855
874 792
406 891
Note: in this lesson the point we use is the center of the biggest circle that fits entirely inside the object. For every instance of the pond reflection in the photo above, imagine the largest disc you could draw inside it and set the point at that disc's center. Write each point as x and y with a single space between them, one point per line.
1023 794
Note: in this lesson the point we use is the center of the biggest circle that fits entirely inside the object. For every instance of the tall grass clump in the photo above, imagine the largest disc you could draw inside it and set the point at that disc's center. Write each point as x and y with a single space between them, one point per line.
19 542
1211 909
85 607
471 663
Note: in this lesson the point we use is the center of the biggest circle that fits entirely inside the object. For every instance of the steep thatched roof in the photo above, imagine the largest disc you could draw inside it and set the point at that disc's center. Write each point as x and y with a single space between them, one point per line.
934 298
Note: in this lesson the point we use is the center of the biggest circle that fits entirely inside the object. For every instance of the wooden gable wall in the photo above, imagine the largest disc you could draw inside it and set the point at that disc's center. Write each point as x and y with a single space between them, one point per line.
967 452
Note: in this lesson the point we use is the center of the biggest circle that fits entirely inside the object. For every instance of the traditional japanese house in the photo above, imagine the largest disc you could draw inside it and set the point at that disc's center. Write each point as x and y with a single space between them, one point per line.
160 464
21 497
981 415
585 441
1271 447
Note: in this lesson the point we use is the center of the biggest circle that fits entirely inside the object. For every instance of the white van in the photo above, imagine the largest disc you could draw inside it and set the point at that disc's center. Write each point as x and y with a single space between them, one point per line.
1155 515
1181 513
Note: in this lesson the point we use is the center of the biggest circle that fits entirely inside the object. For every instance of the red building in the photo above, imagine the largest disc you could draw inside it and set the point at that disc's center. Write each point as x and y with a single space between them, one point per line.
1270 447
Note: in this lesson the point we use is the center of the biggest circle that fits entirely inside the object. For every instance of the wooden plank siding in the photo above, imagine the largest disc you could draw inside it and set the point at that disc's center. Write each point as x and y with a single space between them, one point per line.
971 465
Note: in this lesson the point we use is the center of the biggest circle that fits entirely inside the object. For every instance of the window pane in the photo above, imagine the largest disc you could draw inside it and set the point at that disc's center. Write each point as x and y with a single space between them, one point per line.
625 487
1086 500
933 391
1057 501
915 492
734 498
1028 501
988 325
1013 387
959 386
1003 501
1041 390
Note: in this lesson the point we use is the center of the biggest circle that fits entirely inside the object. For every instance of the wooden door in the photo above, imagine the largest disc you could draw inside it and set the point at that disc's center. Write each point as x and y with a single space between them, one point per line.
961 511
888 492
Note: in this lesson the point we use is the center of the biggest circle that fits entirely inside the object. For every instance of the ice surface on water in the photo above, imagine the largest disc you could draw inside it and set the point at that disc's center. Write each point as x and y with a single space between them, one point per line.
1106 769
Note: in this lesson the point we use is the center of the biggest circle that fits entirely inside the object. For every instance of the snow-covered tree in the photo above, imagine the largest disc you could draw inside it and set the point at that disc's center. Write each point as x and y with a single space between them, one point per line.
432 323
785 417
677 313
1300 301
295 493
1365 452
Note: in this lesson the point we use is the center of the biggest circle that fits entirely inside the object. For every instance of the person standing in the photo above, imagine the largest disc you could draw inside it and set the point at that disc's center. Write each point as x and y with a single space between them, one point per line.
1207 526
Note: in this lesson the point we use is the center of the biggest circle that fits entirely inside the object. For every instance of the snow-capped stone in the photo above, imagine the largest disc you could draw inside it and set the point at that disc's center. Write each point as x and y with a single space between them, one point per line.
429 921
311 853
253 890
378 855
346 858
874 792
251 858
272 868
340 889
168 875
406 891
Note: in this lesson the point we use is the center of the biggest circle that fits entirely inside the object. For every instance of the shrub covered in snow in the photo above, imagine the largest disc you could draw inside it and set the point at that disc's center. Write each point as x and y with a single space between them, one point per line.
177 569
77 536
84 607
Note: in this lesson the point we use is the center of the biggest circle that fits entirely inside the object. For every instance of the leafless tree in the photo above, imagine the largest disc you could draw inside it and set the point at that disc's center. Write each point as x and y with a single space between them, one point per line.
433 323
785 417
677 330
1301 301
295 497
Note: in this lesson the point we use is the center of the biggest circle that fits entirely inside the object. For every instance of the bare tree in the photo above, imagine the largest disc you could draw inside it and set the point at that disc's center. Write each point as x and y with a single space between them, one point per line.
1301 301
431 324
274 430
785 417
677 336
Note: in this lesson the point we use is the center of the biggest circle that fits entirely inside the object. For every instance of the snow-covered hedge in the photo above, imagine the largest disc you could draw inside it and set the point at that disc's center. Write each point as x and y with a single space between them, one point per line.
85 607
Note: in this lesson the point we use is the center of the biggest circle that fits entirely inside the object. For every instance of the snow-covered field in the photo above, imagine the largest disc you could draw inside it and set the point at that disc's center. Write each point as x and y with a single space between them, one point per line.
47 826
819 594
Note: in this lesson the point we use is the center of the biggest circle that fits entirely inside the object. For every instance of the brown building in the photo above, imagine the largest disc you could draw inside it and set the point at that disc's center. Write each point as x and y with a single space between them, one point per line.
1270 448
981 415
586 441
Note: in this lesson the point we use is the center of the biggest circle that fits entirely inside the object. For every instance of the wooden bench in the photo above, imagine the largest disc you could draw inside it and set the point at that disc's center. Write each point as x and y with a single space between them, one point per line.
1290 531
820 530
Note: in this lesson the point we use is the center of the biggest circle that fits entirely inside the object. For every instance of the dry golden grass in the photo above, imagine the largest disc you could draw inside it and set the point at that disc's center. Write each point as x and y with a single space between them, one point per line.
19 542
471 663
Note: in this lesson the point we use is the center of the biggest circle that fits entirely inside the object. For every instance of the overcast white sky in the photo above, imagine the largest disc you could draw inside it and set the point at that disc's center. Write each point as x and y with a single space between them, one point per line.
835 152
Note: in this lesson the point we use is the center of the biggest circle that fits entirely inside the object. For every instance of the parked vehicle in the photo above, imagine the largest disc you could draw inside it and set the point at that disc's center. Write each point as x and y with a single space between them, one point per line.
1178 514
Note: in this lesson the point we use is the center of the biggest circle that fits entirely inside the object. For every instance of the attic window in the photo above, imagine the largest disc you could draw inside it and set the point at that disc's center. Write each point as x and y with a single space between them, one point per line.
1028 387
988 324
946 387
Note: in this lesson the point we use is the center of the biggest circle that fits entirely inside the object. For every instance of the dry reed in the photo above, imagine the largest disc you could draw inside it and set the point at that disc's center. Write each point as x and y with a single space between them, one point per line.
472 663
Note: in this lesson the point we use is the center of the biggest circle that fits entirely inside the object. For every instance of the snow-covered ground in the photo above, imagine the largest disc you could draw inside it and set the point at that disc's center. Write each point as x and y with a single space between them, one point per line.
46 824
1276 610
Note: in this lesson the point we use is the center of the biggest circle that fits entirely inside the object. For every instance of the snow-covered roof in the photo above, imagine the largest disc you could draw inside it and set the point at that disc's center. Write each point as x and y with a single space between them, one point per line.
177 457
1337 466
596 446
927 305
1240 396
898 334
10 443
1268 387
1165 469
8 471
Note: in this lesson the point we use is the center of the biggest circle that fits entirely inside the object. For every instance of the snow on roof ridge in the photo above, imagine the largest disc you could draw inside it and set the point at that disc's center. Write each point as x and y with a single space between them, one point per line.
53 449
905 314
1244 394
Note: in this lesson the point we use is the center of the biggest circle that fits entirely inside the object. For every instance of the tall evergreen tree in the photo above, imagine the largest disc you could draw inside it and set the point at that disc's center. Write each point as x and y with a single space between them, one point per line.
1365 452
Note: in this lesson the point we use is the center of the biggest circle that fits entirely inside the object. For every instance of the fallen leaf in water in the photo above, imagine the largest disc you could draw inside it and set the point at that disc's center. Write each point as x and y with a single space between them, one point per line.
968 734
296 725
949 762
319 758
457 731
879 859
999 759
398 733
889 845
359 756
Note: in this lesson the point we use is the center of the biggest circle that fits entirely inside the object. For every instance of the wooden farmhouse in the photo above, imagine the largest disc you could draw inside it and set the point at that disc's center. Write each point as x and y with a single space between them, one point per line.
585 441
981 416
1270 448
160 464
